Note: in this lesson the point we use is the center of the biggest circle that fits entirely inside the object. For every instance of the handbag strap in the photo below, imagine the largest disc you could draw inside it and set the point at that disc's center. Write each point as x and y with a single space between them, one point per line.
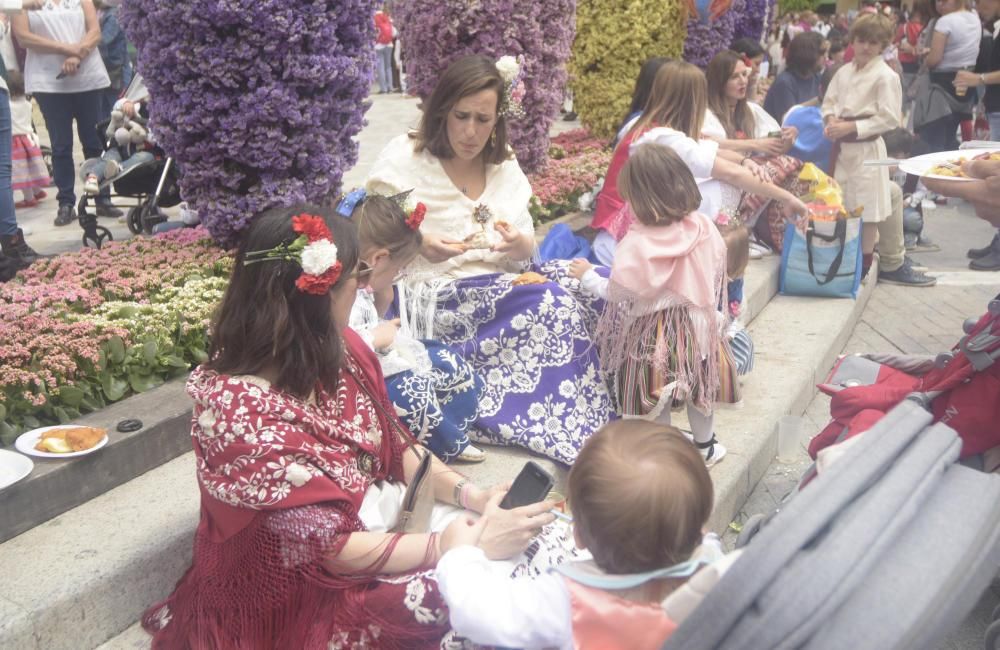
839 235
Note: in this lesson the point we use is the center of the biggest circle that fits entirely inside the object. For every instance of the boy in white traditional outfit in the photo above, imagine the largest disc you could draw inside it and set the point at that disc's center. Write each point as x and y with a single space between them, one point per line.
864 101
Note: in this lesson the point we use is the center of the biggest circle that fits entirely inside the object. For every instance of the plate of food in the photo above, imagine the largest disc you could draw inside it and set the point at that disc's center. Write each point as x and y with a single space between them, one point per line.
61 441
13 467
946 165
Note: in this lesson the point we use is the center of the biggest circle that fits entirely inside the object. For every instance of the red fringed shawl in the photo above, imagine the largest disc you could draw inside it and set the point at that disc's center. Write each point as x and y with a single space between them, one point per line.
282 481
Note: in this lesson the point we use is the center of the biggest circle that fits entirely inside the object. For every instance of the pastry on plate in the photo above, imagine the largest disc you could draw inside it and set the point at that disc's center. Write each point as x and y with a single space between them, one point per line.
65 440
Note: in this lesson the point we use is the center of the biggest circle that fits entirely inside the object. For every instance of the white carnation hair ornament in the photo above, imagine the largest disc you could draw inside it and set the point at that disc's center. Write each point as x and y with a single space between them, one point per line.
513 87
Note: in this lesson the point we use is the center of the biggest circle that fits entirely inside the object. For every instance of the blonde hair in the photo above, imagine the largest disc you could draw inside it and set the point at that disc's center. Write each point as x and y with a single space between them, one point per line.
640 495
381 223
658 186
678 100
872 28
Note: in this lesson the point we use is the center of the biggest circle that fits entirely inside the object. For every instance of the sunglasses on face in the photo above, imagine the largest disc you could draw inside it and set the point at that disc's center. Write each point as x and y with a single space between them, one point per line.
363 273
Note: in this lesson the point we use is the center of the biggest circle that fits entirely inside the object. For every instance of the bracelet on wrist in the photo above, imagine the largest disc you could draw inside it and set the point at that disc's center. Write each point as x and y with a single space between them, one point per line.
463 499
456 496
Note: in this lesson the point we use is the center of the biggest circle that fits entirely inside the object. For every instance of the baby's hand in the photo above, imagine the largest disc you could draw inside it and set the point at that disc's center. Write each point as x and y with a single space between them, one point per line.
579 267
464 531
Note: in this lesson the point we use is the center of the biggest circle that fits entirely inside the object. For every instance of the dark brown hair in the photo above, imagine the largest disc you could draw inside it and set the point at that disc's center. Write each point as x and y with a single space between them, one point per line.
265 321
872 28
15 83
640 495
678 100
719 70
644 85
658 186
381 223
804 53
465 76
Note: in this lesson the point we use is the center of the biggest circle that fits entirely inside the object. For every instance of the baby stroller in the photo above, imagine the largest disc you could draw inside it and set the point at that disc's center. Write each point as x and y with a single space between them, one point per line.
152 185
891 544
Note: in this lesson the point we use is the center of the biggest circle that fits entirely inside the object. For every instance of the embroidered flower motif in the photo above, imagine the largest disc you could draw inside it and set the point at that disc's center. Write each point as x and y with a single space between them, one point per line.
206 420
297 475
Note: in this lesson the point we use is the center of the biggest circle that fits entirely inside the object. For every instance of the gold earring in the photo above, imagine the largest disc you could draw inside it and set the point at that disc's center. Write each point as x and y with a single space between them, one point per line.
493 138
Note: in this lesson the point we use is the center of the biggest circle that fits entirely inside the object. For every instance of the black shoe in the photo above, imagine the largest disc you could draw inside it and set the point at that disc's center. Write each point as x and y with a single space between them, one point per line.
988 262
110 211
569 117
976 253
66 215
15 248
906 276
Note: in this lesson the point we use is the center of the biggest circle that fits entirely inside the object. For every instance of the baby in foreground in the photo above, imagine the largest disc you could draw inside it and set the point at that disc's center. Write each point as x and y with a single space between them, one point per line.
645 535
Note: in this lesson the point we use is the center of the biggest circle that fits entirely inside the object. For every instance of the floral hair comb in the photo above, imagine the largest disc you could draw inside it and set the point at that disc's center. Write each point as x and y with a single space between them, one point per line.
354 198
513 89
313 250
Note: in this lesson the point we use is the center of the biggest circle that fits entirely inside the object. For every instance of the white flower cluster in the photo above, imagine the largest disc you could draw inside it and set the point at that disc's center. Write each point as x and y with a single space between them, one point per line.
319 257
509 68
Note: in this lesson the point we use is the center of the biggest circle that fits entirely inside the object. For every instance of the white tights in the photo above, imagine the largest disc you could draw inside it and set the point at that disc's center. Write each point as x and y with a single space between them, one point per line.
701 424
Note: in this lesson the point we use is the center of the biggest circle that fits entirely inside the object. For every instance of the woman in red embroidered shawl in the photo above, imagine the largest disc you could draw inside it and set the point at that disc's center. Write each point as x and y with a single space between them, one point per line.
300 467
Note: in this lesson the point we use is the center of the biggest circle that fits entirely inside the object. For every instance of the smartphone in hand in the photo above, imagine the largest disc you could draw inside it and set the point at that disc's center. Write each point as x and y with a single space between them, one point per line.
531 486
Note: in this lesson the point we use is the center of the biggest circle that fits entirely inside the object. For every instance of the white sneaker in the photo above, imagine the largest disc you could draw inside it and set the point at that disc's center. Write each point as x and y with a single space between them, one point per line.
711 452
763 249
755 254
471 455
91 186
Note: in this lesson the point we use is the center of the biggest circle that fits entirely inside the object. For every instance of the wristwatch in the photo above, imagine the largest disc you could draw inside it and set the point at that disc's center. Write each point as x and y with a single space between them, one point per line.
982 79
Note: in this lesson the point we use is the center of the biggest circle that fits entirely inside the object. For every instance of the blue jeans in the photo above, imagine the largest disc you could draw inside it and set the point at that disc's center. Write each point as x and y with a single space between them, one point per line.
8 220
59 111
383 68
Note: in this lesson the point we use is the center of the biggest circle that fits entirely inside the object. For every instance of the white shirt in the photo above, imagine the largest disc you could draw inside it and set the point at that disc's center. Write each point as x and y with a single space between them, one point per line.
9 7
20 116
698 155
964 33
65 23
487 607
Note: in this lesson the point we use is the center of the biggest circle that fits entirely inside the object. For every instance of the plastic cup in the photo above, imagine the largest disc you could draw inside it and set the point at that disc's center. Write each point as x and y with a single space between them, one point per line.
790 429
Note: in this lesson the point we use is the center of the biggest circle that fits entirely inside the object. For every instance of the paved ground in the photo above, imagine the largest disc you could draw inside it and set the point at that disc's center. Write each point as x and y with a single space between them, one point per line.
908 321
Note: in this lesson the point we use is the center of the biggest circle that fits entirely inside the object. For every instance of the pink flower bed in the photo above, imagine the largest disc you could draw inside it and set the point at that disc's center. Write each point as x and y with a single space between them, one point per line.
577 161
61 355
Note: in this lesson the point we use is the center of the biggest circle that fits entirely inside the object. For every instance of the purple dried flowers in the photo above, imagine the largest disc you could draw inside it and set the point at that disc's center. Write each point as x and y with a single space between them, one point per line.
705 40
436 32
258 100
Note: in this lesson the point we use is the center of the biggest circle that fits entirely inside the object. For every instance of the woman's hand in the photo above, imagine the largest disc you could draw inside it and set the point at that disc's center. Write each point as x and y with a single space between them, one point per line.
70 65
796 205
838 129
437 249
788 136
759 172
508 532
769 146
478 497
516 244
384 334
579 267
965 80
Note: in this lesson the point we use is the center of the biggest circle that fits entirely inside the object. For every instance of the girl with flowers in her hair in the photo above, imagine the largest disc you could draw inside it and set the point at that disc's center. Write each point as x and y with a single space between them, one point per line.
302 462
661 334
435 392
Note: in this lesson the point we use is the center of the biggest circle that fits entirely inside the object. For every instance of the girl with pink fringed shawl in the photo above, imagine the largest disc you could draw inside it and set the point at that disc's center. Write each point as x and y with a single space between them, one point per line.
661 334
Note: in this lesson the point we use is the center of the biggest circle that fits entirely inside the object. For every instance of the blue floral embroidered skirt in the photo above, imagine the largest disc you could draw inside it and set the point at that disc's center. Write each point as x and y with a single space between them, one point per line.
532 345
439 405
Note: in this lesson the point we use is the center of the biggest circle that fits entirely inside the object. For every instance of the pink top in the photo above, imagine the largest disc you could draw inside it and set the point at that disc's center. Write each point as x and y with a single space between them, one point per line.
603 621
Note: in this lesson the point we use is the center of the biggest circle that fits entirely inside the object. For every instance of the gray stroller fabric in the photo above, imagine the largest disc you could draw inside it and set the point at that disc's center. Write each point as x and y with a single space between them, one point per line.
840 542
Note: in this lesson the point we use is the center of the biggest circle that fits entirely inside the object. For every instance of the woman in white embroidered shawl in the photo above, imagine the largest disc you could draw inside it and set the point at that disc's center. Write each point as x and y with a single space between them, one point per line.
527 335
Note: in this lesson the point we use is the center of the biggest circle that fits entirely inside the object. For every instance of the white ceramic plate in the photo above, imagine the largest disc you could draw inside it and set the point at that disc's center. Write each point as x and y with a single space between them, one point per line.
920 165
13 467
26 442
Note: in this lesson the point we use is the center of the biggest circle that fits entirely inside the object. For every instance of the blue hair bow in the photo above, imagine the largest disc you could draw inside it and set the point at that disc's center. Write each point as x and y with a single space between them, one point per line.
351 201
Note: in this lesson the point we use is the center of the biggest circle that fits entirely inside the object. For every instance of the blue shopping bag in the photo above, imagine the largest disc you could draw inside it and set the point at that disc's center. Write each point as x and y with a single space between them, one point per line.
823 259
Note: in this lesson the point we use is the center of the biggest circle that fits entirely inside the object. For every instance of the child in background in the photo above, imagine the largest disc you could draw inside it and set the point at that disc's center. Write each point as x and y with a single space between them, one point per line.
811 144
435 393
651 527
661 333
29 173
864 101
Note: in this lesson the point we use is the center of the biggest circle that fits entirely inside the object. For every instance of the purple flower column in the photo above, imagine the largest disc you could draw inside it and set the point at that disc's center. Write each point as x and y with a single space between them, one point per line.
257 100
705 40
436 32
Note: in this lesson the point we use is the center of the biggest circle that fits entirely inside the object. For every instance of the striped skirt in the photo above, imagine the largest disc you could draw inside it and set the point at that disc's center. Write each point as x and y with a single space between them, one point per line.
28 166
641 389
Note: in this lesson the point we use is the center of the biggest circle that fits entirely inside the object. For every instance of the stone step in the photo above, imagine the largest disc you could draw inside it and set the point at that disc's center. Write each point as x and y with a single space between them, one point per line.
82 578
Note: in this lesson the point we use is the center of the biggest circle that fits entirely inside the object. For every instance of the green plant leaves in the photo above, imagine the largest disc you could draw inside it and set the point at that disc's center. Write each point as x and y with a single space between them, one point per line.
114 387
71 395
116 349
